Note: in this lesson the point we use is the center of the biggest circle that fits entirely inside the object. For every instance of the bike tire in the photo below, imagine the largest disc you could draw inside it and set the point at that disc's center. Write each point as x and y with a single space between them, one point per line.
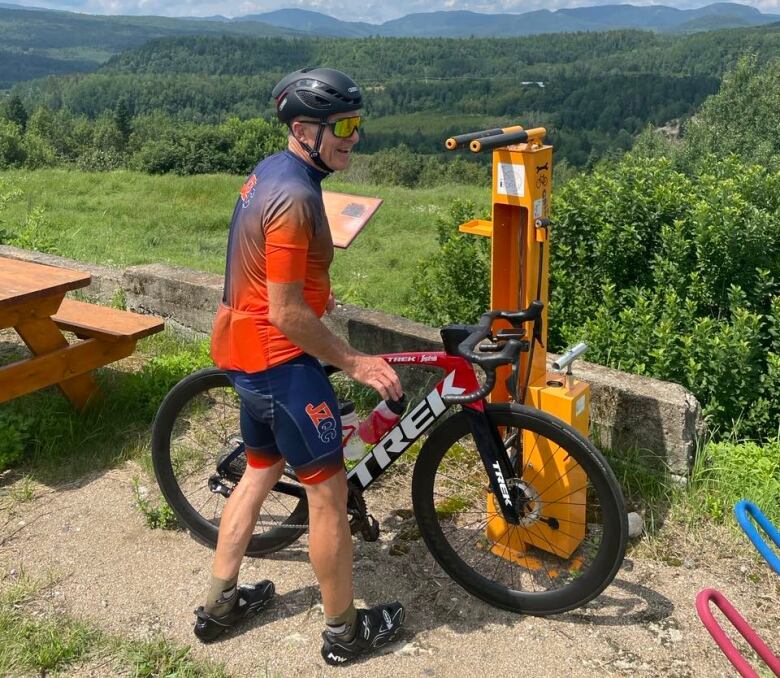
462 546
188 432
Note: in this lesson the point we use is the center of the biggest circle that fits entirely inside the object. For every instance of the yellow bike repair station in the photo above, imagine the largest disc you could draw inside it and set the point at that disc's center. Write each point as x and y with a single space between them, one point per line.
519 233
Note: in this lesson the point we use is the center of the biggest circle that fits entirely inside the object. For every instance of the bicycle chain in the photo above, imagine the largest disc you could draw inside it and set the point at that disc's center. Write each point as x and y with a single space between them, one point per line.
356 507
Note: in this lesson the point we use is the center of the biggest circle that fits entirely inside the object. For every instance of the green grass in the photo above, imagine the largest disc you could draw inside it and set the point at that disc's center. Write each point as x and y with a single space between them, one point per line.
125 218
36 639
43 436
730 471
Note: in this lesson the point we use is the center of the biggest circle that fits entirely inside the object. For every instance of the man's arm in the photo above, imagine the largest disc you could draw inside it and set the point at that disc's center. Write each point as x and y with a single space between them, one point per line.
291 315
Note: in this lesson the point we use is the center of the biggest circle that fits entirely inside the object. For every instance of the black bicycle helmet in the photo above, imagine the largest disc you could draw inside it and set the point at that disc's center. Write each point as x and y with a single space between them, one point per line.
316 93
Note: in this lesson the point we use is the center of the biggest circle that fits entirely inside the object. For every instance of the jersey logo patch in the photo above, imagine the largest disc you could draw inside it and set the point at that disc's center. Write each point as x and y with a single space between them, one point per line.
248 191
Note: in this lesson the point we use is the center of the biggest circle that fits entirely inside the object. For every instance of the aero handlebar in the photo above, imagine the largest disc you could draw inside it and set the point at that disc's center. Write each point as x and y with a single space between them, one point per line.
507 355
462 140
506 139
494 138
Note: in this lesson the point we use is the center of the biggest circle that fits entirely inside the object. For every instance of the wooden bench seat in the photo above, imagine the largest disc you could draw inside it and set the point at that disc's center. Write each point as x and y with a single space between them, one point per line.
102 322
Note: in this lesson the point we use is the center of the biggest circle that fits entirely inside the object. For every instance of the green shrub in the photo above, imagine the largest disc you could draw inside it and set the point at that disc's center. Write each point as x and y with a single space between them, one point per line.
158 516
741 118
676 276
146 389
15 431
454 284
36 233
38 151
395 166
11 147
728 472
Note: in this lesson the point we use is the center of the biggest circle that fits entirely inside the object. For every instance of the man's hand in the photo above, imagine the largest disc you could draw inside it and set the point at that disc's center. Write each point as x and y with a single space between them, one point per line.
331 303
375 372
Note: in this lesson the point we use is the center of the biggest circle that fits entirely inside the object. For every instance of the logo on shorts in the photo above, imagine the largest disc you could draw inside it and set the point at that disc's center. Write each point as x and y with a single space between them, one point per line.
323 421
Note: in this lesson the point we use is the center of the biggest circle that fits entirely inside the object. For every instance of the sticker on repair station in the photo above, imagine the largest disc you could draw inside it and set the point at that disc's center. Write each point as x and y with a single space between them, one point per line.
538 208
511 179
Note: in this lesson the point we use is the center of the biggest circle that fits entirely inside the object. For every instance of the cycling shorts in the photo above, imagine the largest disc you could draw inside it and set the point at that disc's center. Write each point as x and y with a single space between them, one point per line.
291 411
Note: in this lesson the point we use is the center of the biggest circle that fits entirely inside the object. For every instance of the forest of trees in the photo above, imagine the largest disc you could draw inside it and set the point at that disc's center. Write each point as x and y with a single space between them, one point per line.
594 92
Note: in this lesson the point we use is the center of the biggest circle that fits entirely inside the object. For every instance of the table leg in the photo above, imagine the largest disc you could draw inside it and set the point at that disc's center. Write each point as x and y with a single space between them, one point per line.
43 336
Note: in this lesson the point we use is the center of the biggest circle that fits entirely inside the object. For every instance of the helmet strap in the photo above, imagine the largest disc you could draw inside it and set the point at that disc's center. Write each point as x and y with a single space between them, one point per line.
314 153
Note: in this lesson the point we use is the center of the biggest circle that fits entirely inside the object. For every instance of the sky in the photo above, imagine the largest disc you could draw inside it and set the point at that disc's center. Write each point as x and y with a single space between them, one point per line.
372 11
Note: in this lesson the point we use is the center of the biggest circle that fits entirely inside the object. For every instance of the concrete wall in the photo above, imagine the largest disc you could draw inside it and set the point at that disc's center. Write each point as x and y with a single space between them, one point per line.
627 411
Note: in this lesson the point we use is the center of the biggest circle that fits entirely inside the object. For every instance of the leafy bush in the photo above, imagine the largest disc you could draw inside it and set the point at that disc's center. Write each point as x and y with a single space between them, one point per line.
454 284
14 432
741 118
676 277
36 233
11 150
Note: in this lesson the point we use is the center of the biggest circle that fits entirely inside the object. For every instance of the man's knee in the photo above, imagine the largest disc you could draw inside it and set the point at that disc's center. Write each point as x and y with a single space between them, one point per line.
329 495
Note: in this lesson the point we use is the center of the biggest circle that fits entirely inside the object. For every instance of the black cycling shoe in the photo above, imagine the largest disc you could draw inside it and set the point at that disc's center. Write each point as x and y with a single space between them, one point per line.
376 627
251 599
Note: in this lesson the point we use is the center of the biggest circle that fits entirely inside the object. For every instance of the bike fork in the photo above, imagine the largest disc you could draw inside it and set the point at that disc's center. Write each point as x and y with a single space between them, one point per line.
496 461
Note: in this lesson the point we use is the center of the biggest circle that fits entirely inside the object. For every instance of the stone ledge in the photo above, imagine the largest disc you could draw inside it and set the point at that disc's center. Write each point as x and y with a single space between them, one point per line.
627 411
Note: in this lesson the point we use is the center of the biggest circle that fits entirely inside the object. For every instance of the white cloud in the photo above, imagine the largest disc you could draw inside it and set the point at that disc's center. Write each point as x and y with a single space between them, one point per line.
348 10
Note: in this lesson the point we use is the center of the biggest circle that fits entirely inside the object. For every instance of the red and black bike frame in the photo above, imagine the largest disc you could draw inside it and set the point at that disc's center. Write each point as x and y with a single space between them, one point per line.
460 378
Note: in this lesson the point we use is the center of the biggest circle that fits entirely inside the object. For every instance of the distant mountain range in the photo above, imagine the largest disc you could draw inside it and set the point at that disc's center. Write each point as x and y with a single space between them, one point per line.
36 42
460 24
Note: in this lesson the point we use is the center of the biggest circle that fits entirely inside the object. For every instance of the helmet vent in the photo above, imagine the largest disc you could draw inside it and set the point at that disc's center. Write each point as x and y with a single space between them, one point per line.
313 100
336 94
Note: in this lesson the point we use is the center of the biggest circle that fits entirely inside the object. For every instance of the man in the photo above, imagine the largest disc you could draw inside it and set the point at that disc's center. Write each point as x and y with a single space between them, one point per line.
267 336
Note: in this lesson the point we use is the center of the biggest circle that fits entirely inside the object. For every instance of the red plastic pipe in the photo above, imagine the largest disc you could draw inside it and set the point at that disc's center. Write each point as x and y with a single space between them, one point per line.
703 601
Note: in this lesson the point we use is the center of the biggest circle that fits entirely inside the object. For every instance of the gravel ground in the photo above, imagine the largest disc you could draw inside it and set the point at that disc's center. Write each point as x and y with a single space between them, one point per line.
113 571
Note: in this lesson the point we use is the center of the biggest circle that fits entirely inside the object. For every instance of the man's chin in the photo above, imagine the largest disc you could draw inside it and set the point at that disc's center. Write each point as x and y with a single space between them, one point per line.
341 162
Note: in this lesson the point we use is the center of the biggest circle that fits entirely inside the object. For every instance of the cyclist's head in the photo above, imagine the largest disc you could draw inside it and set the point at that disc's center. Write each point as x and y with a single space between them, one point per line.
315 93
318 94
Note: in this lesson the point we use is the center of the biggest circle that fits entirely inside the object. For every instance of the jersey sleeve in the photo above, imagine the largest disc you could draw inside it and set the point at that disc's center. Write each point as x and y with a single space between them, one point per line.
287 236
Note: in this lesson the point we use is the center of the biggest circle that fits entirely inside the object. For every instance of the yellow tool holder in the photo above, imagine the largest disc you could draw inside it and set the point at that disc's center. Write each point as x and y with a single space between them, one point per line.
519 231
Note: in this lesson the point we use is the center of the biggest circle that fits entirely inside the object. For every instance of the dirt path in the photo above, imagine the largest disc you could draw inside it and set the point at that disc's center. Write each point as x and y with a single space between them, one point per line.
136 582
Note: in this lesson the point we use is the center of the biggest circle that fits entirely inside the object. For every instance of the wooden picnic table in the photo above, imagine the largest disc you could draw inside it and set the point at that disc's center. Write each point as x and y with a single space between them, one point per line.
32 301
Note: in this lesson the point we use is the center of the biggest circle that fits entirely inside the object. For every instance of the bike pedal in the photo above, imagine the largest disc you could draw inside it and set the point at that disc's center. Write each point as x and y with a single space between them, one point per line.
369 530
218 487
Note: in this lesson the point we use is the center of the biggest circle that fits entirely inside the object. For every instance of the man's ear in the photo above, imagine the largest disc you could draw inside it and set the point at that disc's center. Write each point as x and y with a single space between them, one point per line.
296 128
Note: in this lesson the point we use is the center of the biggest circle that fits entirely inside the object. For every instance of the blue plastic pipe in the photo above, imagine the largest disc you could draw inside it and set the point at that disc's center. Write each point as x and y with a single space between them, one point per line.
744 510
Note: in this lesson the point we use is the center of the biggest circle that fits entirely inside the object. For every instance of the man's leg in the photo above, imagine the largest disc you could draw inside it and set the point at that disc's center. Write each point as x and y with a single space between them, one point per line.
239 517
348 633
226 603
330 543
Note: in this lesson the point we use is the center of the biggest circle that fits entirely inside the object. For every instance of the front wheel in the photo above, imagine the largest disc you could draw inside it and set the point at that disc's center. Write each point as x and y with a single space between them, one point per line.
571 539
196 429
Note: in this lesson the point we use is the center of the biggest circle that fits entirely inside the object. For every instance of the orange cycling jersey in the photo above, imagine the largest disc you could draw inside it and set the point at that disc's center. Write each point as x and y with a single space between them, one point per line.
279 233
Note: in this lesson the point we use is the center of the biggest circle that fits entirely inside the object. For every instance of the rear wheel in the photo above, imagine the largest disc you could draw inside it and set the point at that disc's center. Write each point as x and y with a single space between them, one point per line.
196 428
572 535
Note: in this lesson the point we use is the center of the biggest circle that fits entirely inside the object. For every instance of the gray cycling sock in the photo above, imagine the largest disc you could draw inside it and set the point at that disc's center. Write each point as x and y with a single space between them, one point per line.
344 624
222 596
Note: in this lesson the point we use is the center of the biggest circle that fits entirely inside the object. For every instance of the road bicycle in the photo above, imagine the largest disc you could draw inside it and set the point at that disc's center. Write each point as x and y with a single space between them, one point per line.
516 506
